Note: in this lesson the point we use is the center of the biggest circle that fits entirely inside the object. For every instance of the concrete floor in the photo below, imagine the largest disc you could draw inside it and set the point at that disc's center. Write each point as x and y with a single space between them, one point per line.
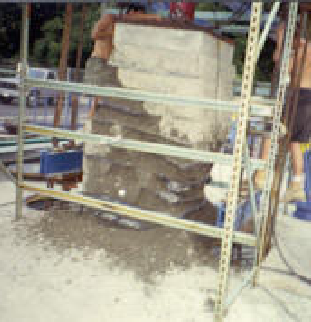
40 282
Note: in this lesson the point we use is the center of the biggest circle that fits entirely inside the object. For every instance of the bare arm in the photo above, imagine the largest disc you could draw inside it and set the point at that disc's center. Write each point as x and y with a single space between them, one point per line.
103 28
279 42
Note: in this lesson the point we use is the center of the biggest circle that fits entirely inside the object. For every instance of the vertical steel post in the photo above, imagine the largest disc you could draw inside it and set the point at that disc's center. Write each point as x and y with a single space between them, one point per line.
249 174
240 141
22 104
265 32
277 111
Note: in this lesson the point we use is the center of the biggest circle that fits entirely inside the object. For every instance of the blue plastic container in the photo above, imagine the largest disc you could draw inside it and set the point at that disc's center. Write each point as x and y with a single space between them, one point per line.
242 214
244 210
60 162
307 167
303 209
221 215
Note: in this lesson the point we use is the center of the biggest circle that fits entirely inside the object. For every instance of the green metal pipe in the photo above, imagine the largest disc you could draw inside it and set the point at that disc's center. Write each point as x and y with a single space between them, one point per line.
162 149
137 95
27 141
22 106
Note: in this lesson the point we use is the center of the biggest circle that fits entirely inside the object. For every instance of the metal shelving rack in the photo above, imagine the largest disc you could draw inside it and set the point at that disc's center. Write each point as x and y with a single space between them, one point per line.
240 158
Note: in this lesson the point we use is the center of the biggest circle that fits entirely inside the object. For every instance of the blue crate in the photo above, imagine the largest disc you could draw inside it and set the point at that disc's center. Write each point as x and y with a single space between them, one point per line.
221 213
60 162
303 209
307 168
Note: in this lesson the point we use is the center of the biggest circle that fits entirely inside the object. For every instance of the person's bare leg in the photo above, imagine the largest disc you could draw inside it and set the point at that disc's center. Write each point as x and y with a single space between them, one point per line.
297 159
91 113
295 191
265 149
93 107
259 179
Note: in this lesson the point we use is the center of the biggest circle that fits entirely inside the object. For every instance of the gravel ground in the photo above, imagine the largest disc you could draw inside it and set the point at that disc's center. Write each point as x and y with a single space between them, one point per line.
145 252
50 272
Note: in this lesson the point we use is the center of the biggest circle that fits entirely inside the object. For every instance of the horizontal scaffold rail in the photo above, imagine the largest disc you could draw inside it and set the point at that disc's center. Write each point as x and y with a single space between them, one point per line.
163 149
263 109
151 216
7 71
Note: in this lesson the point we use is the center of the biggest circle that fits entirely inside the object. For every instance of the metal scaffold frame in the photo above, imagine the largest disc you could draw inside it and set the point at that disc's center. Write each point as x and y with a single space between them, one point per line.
240 158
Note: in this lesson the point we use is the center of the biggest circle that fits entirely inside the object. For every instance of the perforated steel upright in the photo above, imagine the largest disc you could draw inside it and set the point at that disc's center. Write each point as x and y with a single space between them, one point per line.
22 104
240 141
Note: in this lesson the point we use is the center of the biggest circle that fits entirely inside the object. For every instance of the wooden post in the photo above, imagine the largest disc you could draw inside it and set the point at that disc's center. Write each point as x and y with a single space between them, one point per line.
74 106
63 64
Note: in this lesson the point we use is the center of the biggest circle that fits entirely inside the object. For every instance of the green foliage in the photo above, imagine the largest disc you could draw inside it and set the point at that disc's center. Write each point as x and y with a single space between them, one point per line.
239 53
10 20
265 64
93 15
47 49
46 35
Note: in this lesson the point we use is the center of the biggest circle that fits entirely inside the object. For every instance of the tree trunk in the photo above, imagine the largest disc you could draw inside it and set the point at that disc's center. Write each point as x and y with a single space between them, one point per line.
74 106
63 63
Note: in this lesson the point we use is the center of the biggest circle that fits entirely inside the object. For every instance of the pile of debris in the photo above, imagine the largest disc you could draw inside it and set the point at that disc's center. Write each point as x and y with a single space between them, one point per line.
147 181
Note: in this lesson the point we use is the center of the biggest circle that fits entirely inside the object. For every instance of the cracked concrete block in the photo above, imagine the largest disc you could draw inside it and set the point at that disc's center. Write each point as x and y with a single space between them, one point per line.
87 126
104 166
162 60
96 149
168 62
197 124
165 84
164 38
159 61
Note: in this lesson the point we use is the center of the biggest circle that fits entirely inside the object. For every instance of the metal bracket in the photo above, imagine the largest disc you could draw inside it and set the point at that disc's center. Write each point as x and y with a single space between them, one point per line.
240 141
22 104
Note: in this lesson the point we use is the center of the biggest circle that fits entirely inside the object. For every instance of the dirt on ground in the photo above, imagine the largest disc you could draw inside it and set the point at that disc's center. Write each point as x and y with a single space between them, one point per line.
68 266
147 253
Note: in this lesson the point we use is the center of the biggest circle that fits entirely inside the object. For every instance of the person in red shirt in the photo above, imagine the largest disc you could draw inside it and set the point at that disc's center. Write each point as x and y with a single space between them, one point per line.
182 10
